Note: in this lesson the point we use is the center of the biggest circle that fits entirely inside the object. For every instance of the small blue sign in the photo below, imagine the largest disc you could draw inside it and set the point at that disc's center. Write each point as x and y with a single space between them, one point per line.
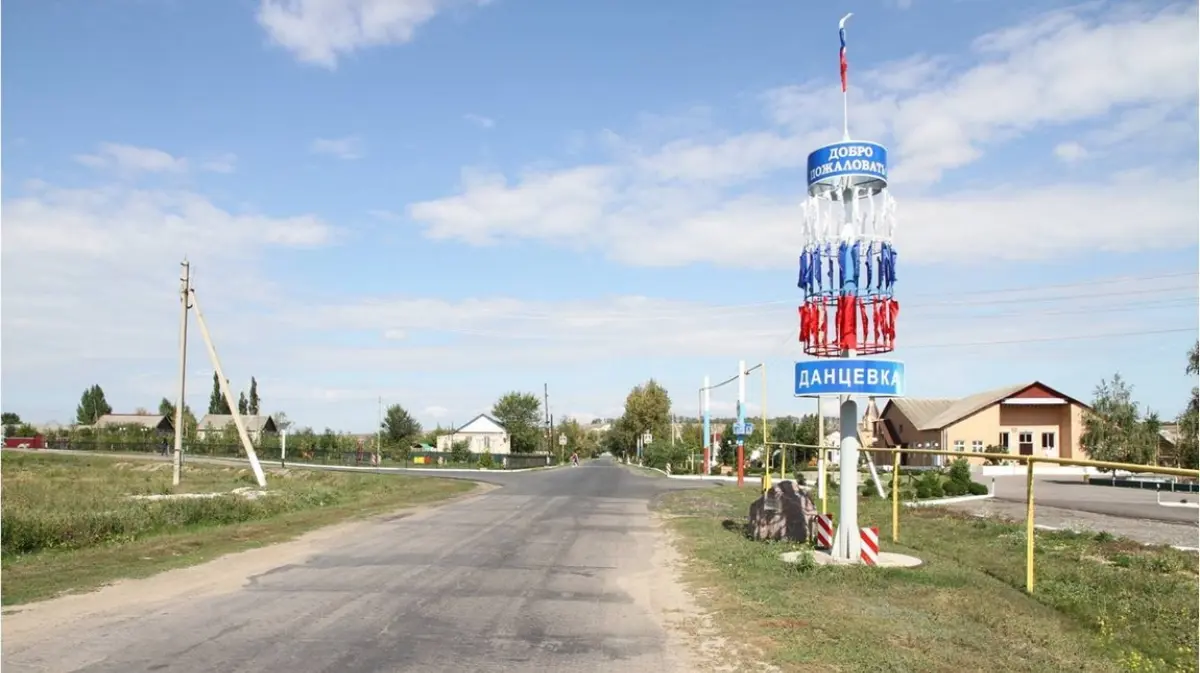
863 163
742 429
852 376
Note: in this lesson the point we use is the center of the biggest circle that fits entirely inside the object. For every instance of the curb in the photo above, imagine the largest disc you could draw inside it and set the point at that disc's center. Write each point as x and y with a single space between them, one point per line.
949 501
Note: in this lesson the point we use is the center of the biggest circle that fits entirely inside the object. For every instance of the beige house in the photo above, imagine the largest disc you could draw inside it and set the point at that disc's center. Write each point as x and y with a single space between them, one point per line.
148 421
1027 419
483 434
215 424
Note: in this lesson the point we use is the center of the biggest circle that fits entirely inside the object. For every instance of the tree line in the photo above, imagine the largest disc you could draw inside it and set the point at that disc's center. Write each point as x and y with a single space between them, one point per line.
1116 429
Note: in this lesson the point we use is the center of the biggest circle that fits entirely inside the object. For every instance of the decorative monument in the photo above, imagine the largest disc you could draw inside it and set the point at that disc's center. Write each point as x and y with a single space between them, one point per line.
848 277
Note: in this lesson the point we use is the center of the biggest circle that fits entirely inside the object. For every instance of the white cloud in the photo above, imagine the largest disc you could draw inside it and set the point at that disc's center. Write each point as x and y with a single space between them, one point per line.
480 121
107 258
129 158
1070 152
349 147
1066 66
225 163
435 411
319 32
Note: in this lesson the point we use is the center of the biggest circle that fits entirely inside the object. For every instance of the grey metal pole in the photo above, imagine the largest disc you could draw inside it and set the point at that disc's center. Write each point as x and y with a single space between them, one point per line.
185 282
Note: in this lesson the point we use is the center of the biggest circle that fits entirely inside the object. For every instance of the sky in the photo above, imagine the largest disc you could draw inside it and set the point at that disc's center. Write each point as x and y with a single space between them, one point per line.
434 202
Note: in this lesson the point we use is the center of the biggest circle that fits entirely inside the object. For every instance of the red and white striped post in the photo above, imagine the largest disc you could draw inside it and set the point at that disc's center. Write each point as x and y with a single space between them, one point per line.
824 531
869 546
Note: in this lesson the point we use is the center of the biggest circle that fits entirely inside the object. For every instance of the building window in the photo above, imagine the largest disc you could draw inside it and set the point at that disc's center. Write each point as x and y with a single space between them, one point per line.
1048 440
1004 439
487 442
977 446
959 445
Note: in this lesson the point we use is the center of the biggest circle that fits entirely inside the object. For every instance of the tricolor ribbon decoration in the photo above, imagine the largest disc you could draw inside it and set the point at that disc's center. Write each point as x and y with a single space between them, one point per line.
845 65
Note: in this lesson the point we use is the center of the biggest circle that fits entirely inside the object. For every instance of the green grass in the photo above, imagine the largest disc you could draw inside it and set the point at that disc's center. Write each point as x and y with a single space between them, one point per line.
1100 604
69 525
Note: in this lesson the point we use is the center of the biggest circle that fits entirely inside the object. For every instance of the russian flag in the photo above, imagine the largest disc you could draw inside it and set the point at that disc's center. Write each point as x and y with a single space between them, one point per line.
842 52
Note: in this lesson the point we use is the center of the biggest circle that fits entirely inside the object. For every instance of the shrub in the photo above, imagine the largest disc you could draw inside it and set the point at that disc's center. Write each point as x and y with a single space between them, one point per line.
923 491
867 490
485 460
954 488
801 480
960 472
976 488
937 490
460 451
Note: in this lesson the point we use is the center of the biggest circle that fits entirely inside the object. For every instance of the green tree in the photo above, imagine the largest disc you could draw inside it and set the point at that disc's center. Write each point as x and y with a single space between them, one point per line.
460 451
167 408
92 406
399 427
252 405
1188 447
648 409
1113 430
217 404
243 404
620 440
520 414
10 421
579 440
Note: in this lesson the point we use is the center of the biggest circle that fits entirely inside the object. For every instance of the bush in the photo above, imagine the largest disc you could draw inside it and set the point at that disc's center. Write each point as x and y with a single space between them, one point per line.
976 488
460 451
960 472
485 460
923 491
954 488
937 490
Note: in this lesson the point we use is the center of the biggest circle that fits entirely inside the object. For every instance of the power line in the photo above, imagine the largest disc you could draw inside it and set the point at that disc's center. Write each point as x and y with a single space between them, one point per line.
658 313
1158 304
651 314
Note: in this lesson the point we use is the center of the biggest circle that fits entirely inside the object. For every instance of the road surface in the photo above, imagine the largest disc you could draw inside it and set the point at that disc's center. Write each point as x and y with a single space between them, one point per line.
1071 493
557 570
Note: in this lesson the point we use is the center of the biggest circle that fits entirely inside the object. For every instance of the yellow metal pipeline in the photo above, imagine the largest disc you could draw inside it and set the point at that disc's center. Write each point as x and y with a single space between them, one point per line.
896 497
1029 526
766 480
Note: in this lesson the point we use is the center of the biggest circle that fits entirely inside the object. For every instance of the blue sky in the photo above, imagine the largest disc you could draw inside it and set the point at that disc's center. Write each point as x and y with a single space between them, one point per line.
436 202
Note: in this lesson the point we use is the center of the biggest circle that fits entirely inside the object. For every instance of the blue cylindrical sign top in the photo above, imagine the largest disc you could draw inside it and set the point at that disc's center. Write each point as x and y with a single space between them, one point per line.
855 164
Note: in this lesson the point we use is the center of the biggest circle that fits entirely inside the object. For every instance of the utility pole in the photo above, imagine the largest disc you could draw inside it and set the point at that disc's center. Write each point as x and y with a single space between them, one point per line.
546 397
185 281
379 435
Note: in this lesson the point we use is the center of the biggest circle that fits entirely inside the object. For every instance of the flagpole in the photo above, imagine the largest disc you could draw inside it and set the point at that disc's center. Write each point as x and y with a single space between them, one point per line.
845 95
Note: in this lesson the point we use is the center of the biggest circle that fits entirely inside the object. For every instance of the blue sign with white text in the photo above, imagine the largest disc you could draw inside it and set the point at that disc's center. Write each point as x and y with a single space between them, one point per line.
865 163
741 429
852 376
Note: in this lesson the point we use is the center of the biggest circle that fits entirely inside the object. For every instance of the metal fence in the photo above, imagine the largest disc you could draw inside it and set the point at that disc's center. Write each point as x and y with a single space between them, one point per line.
1029 462
272 452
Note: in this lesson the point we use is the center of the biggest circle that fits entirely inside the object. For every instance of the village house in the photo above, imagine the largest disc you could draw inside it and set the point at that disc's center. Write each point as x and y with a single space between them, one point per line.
213 425
483 434
1026 419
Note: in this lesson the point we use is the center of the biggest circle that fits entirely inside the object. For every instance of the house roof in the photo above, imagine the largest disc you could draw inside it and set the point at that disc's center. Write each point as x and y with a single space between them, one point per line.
219 421
144 420
935 414
1169 432
483 416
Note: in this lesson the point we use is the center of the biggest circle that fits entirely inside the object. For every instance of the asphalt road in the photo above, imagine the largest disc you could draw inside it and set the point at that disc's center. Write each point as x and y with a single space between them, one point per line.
557 570
1072 494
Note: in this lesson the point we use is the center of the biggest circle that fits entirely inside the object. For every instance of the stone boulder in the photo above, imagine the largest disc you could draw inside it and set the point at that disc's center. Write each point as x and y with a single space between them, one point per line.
782 513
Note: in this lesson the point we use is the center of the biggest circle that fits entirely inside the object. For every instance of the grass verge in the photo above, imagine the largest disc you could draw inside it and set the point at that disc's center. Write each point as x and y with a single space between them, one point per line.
69 525
1101 604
